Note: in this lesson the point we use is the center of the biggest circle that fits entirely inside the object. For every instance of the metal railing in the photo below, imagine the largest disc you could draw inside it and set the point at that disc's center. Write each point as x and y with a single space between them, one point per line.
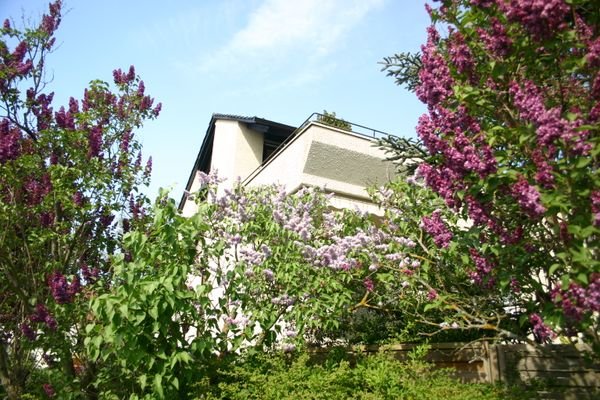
331 120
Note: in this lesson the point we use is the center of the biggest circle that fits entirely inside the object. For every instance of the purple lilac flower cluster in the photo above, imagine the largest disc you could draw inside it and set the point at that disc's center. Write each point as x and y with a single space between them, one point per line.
467 152
10 141
41 108
90 275
14 65
64 119
528 198
283 300
240 321
541 332
595 202
483 269
550 127
62 291
460 54
40 315
253 257
36 189
436 81
95 142
124 78
51 21
578 301
435 227
540 17
495 39
49 390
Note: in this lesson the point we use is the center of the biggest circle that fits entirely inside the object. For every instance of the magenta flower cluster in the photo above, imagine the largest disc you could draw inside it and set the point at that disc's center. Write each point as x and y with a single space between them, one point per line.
578 301
435 79
36 189
457 137
437 229
539 17
10 141
541 332
62 291
495 38
483 269
595 203
124 78
528 198
460 54
550 126
41 315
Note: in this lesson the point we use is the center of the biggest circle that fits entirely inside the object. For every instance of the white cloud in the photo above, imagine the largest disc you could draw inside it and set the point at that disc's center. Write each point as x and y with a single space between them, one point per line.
279 30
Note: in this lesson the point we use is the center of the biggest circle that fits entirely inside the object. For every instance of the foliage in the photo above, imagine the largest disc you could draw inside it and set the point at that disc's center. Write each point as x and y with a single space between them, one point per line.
329 118
66 174
404 67
379 376
512 138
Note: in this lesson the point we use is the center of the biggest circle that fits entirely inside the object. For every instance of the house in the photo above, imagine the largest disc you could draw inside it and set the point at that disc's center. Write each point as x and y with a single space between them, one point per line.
342 161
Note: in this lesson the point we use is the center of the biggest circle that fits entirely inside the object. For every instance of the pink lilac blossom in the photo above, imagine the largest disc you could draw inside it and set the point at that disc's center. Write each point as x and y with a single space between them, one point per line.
541 18
541 332
10 141
460 54
37 189
437 229
483 269
49 390
28 331
369 284
434 77
94 142
477 212
61 290
528 198
593 55
544 175
595 202
495 40
42 110
444 181
578 301
64 119
432 295
148 168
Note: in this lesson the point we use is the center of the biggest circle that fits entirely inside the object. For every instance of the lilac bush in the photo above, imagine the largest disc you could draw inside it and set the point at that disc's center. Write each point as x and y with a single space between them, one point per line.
511 135
66 173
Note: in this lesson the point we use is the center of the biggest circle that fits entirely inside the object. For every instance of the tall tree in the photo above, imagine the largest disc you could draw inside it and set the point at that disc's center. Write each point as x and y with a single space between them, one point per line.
69 179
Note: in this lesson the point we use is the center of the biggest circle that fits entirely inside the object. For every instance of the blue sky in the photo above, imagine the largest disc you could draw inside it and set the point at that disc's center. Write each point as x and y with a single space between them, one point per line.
277 59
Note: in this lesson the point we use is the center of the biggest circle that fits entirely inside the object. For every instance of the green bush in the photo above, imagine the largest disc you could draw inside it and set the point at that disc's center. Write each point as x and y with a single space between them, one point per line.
302 376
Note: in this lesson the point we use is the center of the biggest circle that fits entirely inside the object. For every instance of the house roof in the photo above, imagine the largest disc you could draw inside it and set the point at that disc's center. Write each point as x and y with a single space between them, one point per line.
202 162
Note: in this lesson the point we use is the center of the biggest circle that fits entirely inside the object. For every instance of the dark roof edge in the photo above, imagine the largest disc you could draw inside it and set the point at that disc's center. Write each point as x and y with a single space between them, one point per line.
208 138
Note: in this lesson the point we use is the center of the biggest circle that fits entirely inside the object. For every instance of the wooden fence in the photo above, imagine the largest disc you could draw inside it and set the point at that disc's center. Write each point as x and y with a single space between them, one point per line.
561 371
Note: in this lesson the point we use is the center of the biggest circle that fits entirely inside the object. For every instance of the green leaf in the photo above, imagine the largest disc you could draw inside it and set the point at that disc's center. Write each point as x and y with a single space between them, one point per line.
153 312
553 268
143 380
158 386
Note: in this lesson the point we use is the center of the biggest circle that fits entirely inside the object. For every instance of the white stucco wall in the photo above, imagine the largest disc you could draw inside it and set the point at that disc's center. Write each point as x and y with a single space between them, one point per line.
340 161
237 150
